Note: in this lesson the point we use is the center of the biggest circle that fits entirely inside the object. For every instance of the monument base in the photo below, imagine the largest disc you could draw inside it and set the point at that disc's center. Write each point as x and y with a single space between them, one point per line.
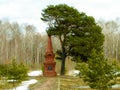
49 74
49 69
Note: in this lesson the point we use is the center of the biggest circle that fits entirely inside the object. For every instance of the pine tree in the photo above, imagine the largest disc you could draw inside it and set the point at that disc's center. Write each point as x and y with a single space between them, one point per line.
97 72
77 32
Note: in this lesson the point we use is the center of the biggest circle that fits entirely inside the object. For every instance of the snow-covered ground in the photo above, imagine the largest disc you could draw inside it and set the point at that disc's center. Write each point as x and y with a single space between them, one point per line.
35 73
25 84
73 73
116 86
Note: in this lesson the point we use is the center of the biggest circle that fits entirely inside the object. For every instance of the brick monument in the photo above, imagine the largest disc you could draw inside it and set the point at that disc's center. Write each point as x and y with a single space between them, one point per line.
49 64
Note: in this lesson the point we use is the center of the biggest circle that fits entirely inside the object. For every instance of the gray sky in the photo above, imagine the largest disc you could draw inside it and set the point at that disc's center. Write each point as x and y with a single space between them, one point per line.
29 11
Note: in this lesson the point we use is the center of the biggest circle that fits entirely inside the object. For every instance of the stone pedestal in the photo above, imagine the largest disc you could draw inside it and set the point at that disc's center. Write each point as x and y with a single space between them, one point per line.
49 69
49 64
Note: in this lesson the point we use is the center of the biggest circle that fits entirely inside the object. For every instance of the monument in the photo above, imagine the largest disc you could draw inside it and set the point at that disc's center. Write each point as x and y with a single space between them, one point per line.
49 64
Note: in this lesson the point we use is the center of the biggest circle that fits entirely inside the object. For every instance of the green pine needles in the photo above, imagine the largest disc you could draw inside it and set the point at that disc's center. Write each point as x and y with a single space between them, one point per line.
98 72
14 71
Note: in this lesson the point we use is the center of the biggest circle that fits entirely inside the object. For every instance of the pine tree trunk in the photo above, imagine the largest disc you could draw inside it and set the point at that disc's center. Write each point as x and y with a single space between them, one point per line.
63 61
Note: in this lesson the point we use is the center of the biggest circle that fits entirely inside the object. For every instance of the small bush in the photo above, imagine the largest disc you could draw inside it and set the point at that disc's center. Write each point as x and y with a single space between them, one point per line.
14 71
3 70
17 71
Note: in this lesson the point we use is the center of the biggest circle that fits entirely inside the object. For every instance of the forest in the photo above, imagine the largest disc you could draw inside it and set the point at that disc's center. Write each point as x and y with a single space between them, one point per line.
22 43
26 45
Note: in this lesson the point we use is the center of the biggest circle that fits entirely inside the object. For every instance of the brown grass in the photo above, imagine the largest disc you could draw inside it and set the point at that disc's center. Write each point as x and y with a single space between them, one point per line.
69 83
66 83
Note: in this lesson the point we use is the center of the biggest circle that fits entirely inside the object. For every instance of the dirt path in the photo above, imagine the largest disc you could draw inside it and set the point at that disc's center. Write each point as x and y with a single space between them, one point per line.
50 83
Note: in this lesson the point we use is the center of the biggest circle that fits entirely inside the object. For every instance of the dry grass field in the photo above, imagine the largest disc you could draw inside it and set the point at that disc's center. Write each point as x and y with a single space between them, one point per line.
72 83
61 83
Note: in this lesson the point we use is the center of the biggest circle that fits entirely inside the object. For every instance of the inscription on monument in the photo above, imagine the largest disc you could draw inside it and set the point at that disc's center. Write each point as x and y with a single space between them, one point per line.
49 68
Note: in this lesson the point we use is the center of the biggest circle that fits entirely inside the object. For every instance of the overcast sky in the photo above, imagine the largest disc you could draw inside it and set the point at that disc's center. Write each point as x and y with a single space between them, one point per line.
29 11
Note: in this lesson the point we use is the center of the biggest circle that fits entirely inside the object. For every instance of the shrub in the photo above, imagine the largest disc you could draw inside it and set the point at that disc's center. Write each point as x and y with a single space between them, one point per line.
17 71
3 70
98 72
14 71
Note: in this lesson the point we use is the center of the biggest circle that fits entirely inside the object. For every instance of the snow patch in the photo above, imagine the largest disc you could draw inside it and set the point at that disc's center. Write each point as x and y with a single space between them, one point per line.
35 73
117 73
73 72
76 72
82 87
25 84
12 80
116 86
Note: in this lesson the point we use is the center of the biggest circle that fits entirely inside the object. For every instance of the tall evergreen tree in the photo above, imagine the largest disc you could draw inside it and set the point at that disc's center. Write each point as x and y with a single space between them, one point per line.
77 32
84 38
60 18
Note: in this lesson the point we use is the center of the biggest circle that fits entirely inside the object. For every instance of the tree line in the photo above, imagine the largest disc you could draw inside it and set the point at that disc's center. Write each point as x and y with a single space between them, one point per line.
21 42
28 46
111 31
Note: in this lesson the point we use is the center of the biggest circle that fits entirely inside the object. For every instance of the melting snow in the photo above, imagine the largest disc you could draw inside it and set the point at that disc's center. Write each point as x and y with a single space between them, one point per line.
82 87
25 84
73 72
35 73
116 86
